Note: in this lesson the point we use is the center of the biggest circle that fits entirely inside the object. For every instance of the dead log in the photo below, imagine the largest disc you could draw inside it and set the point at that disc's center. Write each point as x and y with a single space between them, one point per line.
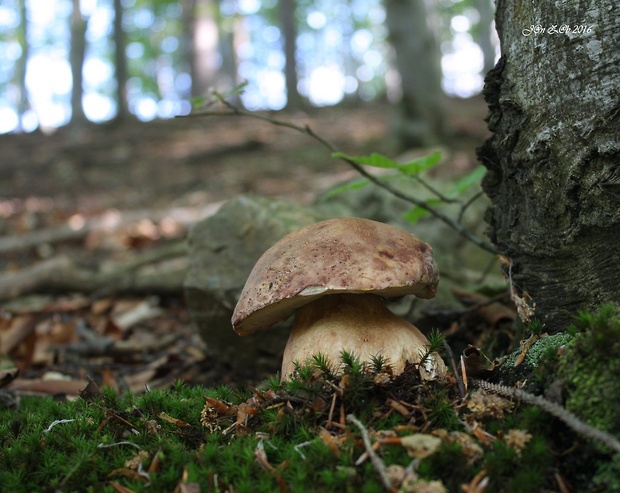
159 271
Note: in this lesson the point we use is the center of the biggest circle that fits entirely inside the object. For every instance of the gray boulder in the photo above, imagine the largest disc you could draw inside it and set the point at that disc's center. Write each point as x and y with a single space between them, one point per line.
222 250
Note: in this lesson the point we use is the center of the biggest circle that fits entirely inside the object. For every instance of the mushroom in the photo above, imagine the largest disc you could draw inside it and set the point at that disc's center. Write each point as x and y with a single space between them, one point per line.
334 275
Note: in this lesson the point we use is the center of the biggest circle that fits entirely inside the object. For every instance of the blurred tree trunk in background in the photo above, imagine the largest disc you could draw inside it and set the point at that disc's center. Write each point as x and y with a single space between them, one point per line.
231 33
76 59
289 31
22 101
120 63
420 115
205 57
553 174
484 32
186 40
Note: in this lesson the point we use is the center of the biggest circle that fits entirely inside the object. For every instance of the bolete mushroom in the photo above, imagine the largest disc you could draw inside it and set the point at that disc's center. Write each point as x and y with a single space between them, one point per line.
334 275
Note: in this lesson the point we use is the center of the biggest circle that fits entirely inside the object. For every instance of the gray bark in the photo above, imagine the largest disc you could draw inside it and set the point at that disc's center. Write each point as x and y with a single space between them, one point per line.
120 63
553 159
419 118
76 58
289 31
22 100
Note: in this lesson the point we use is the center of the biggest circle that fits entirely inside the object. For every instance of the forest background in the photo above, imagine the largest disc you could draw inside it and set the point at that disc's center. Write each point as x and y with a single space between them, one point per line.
71 60
109 161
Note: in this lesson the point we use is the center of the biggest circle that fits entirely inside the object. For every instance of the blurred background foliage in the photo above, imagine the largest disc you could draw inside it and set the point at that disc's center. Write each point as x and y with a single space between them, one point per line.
98 60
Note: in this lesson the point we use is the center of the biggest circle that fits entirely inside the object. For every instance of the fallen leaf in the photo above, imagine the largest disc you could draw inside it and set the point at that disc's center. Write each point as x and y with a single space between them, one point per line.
174 421
420 445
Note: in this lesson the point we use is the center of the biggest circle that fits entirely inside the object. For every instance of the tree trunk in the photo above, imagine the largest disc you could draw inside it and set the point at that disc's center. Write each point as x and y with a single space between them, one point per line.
419 118
289 31
22 101
553 159
231 31
484 32
205 57
120 63
76 58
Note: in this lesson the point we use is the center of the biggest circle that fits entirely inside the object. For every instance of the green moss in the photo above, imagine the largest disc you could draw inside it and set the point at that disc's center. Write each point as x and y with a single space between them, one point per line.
449 457
590 367
607 477
285 429
537 364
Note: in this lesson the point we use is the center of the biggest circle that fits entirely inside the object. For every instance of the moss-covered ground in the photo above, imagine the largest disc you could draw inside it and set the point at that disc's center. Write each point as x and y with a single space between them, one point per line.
362 431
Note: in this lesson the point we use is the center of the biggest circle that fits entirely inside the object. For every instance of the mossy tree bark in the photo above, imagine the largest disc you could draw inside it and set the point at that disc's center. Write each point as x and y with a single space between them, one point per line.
554 159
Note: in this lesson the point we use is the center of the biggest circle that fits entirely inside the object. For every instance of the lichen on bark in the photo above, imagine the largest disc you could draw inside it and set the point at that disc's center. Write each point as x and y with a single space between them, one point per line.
553 176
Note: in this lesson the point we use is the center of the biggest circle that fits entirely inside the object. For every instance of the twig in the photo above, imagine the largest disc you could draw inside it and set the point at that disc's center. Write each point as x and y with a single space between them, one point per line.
467 204
459 228
374 458
556 410
57 422
61 273
459 380
118 444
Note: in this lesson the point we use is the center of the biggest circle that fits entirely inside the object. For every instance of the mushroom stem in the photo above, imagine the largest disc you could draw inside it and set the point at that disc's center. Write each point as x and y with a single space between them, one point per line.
358 323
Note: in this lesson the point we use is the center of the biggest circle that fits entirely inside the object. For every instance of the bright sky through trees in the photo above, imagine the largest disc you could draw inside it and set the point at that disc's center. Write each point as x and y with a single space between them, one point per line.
260 61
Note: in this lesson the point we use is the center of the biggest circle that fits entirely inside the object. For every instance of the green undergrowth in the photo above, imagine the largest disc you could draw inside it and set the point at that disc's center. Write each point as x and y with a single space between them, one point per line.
308 434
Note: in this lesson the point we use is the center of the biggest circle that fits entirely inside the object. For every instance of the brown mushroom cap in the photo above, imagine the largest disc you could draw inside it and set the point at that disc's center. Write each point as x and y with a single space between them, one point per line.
345 255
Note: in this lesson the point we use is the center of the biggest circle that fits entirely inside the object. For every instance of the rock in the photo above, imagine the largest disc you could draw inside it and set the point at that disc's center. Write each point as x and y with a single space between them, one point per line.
223 249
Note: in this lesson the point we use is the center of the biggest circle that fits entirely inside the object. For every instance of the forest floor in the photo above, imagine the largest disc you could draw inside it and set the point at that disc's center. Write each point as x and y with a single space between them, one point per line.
85 208
101 194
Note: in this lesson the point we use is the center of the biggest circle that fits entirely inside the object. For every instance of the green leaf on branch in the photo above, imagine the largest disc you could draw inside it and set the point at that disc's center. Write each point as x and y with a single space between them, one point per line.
375 160
353 185
468 181
421 164
416 213
238 90
214 96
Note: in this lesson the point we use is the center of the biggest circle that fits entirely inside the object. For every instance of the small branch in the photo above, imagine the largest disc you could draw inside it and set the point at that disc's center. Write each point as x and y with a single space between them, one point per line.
457 376
374 458
436 192
556 410
235 111
459 228
61 273
467 204
57 422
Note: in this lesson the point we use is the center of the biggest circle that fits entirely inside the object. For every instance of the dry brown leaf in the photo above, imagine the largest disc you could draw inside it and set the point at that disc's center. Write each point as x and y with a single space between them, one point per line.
420 445
478 484
174 421
19 328
329 440
143 310
482 404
